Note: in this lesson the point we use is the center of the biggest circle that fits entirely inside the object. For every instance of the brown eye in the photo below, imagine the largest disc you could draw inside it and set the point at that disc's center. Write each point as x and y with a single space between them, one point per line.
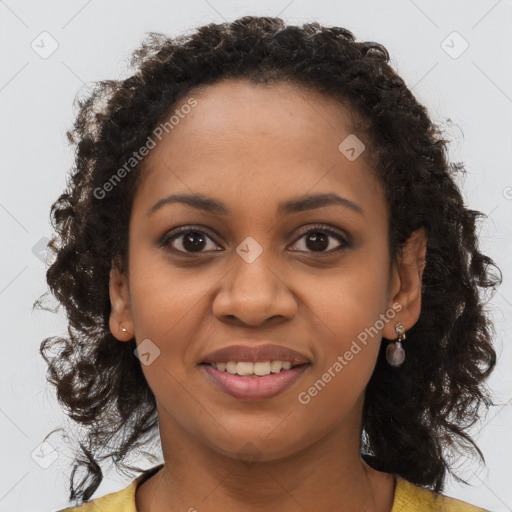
188 240
193 241
320 240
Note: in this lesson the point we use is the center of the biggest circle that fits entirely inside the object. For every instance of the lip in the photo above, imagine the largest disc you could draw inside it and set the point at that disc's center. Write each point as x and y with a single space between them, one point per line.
254 388
267 352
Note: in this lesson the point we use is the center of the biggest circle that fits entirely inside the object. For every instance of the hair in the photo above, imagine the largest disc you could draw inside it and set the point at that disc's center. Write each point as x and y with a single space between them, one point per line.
415 416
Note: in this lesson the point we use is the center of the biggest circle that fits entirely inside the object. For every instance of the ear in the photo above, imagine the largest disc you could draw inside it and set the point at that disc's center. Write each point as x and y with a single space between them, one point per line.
120 313
405 283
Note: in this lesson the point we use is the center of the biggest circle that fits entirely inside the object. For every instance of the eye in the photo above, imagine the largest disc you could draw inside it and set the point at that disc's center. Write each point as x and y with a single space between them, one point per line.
316 239
187 239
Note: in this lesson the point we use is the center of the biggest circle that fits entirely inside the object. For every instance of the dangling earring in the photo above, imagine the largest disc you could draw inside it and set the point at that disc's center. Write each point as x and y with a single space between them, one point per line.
395 354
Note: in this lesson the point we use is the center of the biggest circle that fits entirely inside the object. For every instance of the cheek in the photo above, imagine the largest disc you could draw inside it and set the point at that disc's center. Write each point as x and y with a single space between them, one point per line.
162 297
349 310
351 297
345 355
166 310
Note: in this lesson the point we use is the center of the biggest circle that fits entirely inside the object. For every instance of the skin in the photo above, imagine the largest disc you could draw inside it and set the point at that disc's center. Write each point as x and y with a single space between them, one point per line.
251 147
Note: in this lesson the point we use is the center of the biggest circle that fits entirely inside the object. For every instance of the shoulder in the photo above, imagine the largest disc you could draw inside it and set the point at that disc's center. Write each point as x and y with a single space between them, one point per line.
410 498
119 501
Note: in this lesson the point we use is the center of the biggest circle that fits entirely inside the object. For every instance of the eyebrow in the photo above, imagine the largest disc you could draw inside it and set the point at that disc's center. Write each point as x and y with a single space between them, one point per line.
295 205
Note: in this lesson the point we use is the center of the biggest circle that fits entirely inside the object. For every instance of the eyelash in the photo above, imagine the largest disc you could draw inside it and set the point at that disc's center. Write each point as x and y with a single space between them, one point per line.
183 230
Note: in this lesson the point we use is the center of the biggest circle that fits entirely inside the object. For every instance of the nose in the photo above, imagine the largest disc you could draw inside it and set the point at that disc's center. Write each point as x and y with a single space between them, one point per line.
254 294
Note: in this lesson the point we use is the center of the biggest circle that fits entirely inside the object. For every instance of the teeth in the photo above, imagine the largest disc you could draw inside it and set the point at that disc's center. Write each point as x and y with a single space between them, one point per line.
231 367
245 368
259 368
262 367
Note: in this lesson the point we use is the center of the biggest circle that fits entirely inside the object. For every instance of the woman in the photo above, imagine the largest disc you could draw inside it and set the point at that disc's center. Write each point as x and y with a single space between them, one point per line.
265 256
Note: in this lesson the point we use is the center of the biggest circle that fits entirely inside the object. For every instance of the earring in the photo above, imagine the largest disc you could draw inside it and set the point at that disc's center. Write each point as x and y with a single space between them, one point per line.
123 329
395 354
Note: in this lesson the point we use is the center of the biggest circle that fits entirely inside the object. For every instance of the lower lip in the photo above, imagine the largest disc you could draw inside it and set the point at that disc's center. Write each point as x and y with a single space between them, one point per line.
254 388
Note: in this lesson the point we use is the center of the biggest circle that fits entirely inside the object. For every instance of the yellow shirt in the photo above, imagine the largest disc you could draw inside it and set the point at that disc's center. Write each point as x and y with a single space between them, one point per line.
408 498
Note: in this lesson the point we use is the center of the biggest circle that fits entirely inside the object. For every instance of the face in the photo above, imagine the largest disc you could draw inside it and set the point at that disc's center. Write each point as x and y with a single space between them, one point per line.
311 276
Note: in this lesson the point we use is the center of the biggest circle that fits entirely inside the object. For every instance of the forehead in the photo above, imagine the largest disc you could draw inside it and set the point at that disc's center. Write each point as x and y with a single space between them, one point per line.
240 108
257 141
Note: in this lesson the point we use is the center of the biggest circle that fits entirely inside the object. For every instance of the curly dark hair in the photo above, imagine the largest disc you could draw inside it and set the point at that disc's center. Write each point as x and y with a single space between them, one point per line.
415 416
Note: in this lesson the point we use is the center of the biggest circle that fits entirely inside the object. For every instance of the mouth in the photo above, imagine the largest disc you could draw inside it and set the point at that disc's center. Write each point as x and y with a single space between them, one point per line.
255 369
257 381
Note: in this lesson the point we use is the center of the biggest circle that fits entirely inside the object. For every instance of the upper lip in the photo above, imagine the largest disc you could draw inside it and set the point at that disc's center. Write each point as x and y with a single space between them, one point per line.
268 352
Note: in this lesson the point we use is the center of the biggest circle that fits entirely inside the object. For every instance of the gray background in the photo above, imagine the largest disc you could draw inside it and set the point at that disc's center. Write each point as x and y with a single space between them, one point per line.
473 89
